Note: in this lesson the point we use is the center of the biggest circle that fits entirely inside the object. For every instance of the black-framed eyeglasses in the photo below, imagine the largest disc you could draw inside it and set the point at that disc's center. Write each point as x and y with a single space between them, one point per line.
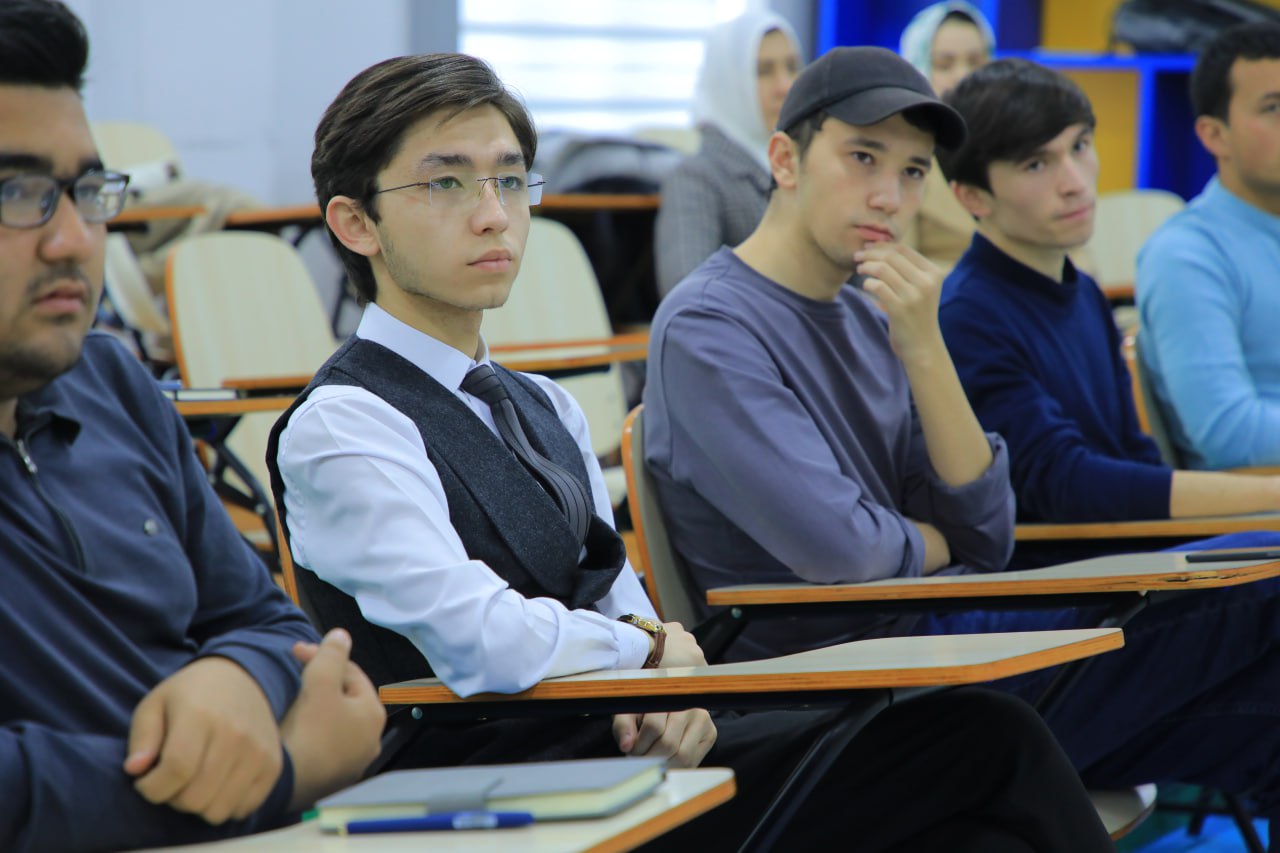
30 200
454 191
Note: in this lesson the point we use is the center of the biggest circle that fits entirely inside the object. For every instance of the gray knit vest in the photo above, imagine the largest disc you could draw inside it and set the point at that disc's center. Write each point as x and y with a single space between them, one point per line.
499 510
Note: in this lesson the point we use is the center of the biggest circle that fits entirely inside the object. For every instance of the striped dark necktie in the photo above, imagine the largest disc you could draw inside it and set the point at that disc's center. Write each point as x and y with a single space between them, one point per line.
481 382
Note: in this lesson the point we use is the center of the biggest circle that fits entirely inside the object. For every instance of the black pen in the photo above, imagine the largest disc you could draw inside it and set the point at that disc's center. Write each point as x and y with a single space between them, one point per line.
1226 556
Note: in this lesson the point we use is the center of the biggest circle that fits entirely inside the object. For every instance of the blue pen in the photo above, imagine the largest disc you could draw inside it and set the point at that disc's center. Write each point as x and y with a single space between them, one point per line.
444 820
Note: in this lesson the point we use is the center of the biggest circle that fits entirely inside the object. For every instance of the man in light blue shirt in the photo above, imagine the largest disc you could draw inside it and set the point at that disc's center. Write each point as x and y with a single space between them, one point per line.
1207 280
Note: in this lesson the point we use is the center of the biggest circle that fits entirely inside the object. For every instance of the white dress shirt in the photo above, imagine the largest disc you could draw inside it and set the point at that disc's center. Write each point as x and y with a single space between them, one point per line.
367 513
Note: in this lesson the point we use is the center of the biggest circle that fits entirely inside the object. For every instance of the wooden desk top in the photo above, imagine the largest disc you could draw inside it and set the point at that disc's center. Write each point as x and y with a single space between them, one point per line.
1115 573
683 796
242 406
597 201
273 218
142 214
880 663
1172 527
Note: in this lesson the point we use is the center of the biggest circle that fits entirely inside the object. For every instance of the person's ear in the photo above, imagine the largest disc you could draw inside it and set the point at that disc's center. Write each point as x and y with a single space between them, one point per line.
784 160
352 225
1213 134
977 201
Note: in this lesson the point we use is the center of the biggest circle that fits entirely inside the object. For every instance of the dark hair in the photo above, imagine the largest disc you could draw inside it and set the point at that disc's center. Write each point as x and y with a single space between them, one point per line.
958 15
1012 107
42 43
362 130
1211 80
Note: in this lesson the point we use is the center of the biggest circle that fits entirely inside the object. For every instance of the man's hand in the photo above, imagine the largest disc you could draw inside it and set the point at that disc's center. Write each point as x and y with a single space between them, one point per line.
205 741
681 648
684 738
907 287
333 728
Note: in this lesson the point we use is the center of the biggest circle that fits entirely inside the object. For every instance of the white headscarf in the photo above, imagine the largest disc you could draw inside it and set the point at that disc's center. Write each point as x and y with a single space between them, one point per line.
727 95
916 45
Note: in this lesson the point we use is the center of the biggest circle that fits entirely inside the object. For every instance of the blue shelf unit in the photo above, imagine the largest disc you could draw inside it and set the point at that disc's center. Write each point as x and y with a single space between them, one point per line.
1167 154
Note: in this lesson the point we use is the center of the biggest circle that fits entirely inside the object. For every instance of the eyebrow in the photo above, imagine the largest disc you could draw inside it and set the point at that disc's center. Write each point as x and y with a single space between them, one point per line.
36 163
877 145
436 159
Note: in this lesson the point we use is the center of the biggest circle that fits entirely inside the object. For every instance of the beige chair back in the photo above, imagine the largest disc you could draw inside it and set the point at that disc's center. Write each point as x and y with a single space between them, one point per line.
1123 222
127 288
556 297
664 576
241 306
683 139
139 149
1150 416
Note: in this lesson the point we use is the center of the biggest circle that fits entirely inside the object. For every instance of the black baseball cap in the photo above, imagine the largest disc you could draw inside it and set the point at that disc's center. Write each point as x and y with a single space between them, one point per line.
866 85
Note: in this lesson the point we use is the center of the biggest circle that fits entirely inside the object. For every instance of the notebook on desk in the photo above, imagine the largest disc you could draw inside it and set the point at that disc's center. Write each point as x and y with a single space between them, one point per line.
549 790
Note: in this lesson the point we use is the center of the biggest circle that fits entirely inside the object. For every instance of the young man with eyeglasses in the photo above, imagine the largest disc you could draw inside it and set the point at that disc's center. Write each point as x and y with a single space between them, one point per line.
451 514
151 691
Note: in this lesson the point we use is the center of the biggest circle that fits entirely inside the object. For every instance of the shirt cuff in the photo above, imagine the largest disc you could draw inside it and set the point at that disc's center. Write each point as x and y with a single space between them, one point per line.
972 502
633 646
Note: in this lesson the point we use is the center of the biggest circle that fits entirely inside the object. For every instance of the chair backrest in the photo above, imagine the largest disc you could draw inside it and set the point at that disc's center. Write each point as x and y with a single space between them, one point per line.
127 288
1122 223
683 139
242 305
556 298
1150 416
139 149
664 575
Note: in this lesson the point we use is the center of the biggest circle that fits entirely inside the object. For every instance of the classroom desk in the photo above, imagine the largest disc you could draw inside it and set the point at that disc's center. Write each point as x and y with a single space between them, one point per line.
1183 528
1117 573
892 663
684 795
194 411
861 678
137 218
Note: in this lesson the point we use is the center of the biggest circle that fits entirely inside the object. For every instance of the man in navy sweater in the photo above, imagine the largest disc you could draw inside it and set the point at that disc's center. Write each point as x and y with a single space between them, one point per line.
150 690
1191 697
1032 337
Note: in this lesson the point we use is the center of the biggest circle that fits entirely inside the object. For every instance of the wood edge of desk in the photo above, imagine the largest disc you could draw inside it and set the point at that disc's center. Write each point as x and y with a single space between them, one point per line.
242 406
1205 578
815 680
1153 528
669 819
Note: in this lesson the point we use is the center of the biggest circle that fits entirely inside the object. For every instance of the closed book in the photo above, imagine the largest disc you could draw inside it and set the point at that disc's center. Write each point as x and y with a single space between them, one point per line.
200 395
549 790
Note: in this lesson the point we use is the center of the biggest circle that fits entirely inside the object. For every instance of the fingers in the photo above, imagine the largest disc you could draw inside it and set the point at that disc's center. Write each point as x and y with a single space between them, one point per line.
698 738
659 734
625 727
304 652
179 761
146 735
327 669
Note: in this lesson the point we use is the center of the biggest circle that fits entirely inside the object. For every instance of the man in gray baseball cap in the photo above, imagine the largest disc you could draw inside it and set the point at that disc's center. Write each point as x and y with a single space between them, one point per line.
800 428
866 85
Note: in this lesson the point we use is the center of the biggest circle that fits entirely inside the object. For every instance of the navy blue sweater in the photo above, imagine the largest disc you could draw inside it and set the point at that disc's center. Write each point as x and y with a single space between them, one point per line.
120 567
1041 364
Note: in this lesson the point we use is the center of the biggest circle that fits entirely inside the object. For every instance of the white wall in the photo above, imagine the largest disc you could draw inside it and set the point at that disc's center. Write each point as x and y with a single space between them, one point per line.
237 84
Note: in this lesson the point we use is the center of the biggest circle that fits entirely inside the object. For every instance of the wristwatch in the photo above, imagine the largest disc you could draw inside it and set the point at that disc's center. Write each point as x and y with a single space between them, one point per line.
654 629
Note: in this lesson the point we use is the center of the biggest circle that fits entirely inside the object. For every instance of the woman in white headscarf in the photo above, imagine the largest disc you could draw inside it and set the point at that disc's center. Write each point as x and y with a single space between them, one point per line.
945 42
717 196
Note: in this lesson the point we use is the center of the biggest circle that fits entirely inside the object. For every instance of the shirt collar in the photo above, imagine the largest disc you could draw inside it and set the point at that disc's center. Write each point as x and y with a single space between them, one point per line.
48 406
992 260
443 363
1224 199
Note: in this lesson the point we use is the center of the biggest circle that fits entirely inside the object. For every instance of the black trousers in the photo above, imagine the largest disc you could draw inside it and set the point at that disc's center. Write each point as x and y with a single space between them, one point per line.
959 770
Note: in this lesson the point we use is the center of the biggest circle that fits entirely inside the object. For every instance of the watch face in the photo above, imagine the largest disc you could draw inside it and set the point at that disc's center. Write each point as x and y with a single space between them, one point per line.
644 623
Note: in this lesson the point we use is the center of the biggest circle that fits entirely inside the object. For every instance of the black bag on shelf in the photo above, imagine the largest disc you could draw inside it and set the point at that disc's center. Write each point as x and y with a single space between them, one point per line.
1180 26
